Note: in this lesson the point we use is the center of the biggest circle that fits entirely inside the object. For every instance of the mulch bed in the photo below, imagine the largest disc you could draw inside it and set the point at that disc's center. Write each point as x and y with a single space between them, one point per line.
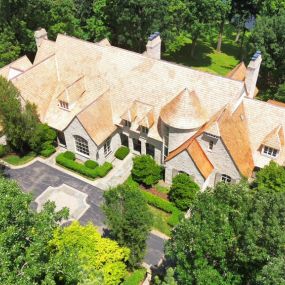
155 192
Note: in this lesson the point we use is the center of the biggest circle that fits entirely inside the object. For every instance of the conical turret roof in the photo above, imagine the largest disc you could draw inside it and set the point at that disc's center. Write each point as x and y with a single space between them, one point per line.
184 111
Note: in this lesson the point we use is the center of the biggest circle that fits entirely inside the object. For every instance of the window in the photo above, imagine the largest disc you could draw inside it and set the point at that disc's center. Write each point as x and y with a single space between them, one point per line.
144 130
137 145
166 142
269 151
127 123
150 149
225 178
107 147
211 145
81 145
63 104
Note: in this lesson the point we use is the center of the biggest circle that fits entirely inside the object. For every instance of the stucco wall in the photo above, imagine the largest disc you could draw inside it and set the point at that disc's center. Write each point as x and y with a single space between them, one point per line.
75 128
3 140
219 157
183 162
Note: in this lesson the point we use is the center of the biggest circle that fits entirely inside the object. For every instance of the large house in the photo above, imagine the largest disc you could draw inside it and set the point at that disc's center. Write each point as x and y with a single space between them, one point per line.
99 97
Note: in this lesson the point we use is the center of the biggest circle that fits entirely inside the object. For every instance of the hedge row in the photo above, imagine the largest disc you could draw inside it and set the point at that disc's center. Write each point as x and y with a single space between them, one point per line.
100 171
47 152
164 205
122 152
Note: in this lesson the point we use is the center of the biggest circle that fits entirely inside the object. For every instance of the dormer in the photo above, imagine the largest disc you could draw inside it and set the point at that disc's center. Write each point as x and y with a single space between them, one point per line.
273 143
129 115
70 94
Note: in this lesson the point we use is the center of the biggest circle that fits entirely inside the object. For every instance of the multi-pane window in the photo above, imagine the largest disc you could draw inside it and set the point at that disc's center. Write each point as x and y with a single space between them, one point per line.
270 151
144 130
81 145
107 147
127 123
63 104
211 145
226 178
166 142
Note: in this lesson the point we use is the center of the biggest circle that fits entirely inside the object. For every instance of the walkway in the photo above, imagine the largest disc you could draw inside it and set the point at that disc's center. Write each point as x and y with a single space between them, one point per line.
38 176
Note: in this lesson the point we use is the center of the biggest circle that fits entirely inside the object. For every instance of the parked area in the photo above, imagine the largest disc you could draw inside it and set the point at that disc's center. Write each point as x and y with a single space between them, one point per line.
38 177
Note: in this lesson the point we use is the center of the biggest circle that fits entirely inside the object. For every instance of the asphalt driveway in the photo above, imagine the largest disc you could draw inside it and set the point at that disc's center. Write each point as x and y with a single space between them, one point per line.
37 177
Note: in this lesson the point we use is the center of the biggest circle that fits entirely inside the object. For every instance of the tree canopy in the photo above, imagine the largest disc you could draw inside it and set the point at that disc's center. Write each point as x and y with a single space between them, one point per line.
128 219
235 235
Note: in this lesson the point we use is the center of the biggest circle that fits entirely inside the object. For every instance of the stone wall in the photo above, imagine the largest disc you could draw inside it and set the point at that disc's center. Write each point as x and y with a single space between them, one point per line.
183 162
76 129
219 157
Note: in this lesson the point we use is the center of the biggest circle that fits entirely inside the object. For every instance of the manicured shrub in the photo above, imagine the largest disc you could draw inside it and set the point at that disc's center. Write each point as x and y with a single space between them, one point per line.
103 169
3 150
166 206
91 164
75 166
146 170
183 191
69 155
47 152
122 152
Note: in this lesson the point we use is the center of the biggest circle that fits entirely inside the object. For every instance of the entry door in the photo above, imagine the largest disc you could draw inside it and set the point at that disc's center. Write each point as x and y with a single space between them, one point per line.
137 145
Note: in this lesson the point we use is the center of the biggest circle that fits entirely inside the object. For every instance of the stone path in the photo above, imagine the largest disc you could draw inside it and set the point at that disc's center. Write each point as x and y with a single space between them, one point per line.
38 176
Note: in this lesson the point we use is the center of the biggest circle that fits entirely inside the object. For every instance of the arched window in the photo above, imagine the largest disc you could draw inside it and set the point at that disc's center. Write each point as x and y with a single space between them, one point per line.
226 178
81 145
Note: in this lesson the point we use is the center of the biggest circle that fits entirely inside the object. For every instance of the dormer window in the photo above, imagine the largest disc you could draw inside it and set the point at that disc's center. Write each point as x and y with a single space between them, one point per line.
63 105
269 151
144 130
226 178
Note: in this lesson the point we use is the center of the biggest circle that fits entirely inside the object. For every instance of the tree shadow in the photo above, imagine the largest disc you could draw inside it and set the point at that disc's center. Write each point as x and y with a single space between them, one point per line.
183 56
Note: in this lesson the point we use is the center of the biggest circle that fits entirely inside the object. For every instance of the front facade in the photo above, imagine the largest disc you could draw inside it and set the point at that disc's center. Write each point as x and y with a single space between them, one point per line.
99 97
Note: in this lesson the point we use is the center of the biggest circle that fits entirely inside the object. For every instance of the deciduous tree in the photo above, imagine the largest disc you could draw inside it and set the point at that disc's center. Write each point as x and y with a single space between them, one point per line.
129 220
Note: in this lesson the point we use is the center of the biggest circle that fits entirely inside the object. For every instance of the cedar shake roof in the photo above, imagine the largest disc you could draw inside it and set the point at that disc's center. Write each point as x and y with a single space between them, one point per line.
21 64
200 159
184 111
263 119
275 138
276 103
234 133
46 49
127 76
238 73
97 119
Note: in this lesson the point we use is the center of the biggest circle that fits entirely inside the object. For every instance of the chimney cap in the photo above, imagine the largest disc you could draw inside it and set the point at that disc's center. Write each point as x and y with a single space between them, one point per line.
256 55
153 36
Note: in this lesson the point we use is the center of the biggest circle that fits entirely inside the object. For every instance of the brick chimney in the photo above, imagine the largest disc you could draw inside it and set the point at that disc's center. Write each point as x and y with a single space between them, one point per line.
153 47
40 35
252 72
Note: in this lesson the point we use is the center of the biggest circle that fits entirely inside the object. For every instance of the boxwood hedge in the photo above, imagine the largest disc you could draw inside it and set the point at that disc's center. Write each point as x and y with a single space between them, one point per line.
122 152
91 164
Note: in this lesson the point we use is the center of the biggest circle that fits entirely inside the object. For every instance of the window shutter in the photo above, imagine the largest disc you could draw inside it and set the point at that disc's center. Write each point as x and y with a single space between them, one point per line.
218 178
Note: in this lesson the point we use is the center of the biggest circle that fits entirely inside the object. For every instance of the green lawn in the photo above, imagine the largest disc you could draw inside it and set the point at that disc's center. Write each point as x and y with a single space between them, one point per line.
136 277
160 219
206 58
161 189
16 160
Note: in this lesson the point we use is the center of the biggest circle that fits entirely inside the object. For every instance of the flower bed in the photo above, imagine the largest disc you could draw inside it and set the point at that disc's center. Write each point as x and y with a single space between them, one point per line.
67 160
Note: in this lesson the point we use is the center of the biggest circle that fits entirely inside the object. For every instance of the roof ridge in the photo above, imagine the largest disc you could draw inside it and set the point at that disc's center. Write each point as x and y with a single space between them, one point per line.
149 58
9 64
265 103
33 66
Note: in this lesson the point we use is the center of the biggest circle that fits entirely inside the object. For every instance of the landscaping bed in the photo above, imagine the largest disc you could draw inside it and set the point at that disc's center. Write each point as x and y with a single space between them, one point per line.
90 169
136 277
17 160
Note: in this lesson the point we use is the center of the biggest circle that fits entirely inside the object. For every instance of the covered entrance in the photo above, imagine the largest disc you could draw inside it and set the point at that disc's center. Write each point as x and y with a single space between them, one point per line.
61 139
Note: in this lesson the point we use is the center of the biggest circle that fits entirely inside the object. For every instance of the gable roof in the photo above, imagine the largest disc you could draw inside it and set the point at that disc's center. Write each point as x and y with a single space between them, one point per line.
233 130
97 119
200 159
21 64
275 138
238 73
